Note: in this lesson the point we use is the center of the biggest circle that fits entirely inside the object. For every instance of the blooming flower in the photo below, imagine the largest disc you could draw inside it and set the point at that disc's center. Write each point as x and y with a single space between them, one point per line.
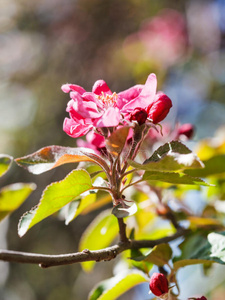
102 108
158 284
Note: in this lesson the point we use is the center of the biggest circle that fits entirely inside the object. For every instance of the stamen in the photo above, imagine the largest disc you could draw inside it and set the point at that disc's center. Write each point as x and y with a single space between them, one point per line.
108 100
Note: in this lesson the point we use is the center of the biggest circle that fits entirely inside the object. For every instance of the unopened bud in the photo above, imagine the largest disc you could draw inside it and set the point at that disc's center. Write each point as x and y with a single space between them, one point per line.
159 108
140 115
158 284
186 130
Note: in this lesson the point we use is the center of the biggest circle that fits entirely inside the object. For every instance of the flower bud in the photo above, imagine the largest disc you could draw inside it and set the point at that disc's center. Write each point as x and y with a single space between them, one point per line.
159 108
158 284
140 115
186 130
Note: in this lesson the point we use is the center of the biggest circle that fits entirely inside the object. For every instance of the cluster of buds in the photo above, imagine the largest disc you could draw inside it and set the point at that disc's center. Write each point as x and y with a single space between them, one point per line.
159 286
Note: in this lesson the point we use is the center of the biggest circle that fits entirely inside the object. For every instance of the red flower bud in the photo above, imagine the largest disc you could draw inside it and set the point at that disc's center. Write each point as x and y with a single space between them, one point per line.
186 130
158 284
159 108
140 115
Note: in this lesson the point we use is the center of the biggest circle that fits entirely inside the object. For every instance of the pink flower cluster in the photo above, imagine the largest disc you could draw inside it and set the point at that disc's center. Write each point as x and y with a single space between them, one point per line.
103 108
161 40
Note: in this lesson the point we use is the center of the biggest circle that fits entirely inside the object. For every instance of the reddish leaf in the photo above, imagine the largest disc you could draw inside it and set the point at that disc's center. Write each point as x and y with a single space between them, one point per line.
117 140
51 157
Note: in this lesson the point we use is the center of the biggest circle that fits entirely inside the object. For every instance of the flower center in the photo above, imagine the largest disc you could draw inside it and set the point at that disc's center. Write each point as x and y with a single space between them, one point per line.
108 100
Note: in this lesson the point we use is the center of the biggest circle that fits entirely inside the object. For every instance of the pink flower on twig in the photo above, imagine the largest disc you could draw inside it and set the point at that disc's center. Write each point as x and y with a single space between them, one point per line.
102 108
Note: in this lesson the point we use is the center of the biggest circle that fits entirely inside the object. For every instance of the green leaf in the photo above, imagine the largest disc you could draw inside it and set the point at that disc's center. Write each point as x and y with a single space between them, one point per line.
173 178
99 234
214 165
189 262
144 266
203 222
215 249
159 255
53 156
102 199
210 250
54 197
116 142
12 196
5 162
170 157
76 207
114 287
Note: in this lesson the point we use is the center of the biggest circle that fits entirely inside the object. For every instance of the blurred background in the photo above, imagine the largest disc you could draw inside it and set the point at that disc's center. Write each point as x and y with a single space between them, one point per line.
46 43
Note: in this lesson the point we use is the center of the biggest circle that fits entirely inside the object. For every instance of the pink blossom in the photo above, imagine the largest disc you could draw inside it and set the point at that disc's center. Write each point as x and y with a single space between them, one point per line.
161 40
103 108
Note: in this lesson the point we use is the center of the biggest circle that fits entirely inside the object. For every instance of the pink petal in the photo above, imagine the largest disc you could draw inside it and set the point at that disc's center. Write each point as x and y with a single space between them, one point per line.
73 129
87 109
66 88
101 86
88 96
132 92
72 110
146 96
110 118
149 89
128 95
95 139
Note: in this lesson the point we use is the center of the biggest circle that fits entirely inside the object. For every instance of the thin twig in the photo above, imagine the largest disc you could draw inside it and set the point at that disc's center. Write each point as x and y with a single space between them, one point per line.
128 172
105 254
130 184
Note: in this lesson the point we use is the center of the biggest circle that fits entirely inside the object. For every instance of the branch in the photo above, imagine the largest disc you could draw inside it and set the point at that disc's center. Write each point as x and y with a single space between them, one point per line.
105 254
122 231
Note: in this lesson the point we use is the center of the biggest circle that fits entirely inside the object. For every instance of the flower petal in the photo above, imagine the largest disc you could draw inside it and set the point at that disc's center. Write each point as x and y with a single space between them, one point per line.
110 118
126 96
95 139
146 96
87 109
74 129
132 92
66 88
101 86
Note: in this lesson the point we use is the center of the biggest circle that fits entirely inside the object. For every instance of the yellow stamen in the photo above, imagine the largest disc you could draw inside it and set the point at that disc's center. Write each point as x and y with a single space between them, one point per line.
108 100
